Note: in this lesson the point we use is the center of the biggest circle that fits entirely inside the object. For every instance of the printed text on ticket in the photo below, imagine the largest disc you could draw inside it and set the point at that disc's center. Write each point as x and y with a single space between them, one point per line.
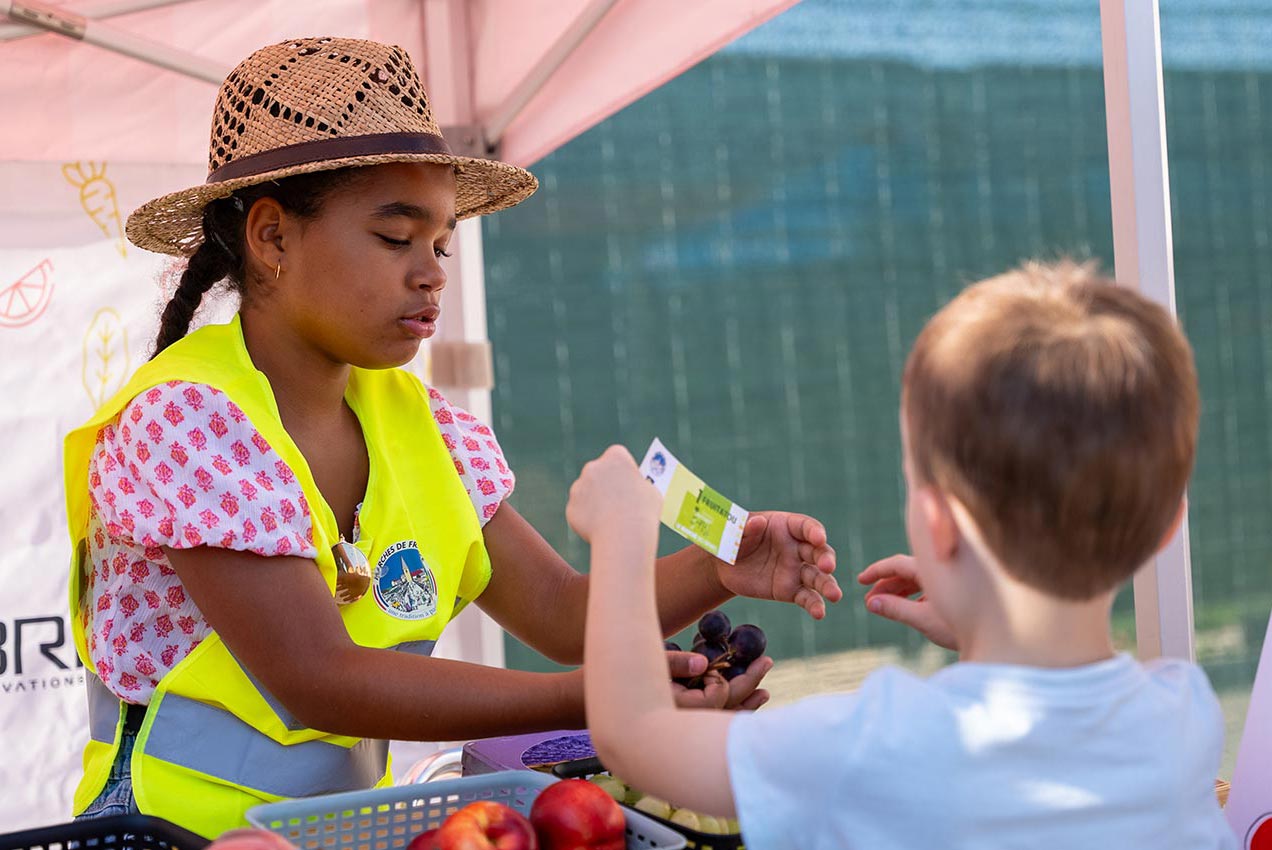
691 508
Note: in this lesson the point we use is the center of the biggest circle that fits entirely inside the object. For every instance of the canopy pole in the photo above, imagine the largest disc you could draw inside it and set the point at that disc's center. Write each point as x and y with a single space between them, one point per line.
1139 185
460 353
499 120
105 9
80 28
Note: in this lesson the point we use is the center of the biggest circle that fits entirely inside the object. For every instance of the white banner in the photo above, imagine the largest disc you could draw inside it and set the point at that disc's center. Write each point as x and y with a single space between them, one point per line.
78 312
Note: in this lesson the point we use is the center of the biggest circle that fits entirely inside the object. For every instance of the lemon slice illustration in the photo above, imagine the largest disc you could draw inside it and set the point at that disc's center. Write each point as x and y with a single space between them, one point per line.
23 302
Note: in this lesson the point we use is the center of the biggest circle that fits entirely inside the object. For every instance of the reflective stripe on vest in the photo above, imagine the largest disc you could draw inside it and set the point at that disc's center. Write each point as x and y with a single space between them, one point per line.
199 737
253 768
103 710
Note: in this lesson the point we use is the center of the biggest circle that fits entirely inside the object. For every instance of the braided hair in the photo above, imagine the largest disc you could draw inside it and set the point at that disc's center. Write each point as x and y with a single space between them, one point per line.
223 257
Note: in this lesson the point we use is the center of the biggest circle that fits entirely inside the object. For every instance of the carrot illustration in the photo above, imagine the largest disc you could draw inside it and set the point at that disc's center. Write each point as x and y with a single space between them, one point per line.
23 301
97 197
105 356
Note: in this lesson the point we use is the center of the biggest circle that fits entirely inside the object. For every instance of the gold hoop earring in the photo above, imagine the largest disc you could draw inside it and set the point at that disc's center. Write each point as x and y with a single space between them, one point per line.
278 270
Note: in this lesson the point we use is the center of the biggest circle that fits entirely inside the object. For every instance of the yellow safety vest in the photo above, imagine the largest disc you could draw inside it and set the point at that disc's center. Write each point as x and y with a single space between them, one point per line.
214 742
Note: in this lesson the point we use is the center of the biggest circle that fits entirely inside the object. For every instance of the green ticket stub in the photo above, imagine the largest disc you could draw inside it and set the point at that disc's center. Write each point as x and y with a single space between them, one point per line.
692 509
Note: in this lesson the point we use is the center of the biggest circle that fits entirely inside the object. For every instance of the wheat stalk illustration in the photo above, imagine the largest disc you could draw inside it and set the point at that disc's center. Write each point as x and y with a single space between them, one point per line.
105 355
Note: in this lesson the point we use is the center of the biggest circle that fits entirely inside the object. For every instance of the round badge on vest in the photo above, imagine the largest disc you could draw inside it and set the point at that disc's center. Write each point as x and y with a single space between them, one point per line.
403 584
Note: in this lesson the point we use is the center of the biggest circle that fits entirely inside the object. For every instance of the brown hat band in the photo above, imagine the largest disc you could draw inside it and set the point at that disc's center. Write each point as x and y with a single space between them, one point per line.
328 149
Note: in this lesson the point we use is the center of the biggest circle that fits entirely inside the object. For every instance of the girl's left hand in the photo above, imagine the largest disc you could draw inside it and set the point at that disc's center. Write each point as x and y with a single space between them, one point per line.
785 557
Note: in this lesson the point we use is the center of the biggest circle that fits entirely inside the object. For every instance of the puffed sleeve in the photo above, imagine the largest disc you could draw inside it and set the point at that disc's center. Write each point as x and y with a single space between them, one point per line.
476 453
183 466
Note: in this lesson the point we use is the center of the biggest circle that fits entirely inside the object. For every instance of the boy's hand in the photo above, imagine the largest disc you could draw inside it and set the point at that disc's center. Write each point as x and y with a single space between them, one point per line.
785 557
609 492
741 693
894 581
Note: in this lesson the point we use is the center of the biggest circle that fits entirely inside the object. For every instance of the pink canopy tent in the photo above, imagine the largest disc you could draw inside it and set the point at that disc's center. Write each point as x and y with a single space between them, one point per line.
515 79
528 74
131 83
123 89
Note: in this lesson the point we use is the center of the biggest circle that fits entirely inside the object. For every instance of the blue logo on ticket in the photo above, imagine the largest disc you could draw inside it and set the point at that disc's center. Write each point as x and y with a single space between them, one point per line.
691 508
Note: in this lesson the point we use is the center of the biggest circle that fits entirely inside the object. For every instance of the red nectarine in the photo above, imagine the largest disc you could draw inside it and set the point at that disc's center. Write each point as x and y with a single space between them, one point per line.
486 825
425 840
576 815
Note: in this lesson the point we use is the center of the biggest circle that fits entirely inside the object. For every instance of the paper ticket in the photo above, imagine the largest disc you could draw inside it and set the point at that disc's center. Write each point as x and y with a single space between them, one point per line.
691 508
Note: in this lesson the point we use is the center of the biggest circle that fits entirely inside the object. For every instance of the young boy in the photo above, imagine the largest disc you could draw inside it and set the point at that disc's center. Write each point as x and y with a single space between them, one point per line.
1048 423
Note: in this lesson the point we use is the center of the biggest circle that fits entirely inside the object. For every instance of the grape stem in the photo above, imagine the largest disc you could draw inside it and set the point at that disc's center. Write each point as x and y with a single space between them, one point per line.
719 664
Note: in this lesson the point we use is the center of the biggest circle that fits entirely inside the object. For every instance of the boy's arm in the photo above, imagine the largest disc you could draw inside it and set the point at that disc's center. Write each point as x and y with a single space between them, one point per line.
676 754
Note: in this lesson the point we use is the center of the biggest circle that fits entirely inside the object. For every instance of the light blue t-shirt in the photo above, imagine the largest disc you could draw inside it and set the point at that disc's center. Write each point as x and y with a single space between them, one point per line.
1109 756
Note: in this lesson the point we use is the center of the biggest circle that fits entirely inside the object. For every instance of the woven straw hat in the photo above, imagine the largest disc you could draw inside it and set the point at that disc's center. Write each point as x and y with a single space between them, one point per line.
315 104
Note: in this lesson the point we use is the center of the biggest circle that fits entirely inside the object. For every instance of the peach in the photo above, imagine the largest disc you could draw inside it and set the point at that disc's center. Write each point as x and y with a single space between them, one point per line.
577 815
486 825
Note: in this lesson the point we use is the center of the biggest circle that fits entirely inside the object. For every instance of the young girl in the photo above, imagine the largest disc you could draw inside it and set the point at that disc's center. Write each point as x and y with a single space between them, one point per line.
272 525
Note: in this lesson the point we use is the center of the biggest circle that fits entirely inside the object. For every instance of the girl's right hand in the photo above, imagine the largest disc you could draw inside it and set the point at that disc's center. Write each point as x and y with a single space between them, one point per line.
610 494
741 693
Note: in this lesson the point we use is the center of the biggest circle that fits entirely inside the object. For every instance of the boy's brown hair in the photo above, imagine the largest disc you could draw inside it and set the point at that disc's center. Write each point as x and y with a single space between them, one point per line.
1061 410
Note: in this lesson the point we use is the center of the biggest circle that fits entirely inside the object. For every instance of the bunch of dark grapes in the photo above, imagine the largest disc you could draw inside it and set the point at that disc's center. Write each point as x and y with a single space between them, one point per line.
729 651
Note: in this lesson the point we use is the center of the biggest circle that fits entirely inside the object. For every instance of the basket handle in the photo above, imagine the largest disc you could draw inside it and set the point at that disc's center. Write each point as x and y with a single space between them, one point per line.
441 764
